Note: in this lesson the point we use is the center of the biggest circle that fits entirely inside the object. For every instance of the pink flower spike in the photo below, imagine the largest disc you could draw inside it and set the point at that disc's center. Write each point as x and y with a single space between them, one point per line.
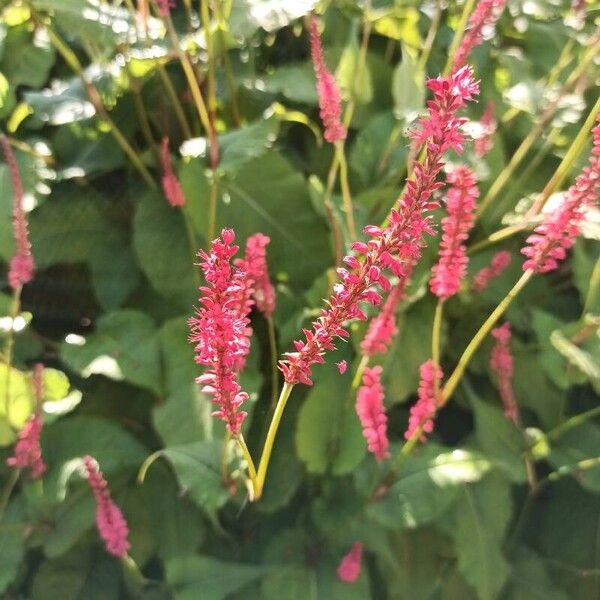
342 366
171 186
371 413
423 411
502 364
256 266
165 6
483 144
551 240
110 522
21 266
498 264
330 101
460 203
481 22
350 567
220 330
28 452
398 247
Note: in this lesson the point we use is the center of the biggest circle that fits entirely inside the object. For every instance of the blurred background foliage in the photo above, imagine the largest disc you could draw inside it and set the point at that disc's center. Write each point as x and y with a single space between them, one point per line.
88 88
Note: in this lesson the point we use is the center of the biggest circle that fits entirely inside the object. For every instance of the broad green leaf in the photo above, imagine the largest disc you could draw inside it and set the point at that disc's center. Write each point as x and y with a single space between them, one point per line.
293 81
353 78
164 251
209 578
12 548
408 86
123 347
16 399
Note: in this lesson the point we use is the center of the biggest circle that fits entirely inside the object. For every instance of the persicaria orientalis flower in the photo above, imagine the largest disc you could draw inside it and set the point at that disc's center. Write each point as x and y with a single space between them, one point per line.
460 204
165 6
502 364
483 144
371 413
481 22
21 265
398 246
28 452
423 411
110 522
330 102
170 183
255 264
349 569
550 241
220 330
498 264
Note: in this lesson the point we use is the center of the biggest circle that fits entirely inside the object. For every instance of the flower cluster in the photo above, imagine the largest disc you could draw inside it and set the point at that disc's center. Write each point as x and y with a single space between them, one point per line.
484 142
220 331
382 328
424 409
349 568
550 241
371 412
171 186
255 264
165 6
481 21
330 102
111 524
398 246
460 204
21 265
498 264
28 452
502 364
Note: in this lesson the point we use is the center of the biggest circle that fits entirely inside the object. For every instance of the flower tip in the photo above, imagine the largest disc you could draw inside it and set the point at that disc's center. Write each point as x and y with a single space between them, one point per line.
342 366
349 568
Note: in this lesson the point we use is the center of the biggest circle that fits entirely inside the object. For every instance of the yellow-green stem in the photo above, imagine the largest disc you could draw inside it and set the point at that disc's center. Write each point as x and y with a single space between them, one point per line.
593 289
273 354
15 308
212 207
249 464
458 36
362 365
346 195
265 456
428 45
174 102
436 333
480 336
572 422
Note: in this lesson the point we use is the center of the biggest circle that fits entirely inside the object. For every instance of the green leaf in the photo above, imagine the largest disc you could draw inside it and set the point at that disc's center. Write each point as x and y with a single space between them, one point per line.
427 486
408 86
477 523
197 467
354 82
12 549
164 251
295 82
209 578
16 394
123 347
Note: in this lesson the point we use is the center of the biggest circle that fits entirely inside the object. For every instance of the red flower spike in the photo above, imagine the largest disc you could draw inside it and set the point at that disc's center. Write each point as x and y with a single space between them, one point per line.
502 364
21 266
460 204
498 264
550 241
220 330
171 186
330 102
350 567
110 522
423 411
371 413
398 246
483 18
258 271
28 452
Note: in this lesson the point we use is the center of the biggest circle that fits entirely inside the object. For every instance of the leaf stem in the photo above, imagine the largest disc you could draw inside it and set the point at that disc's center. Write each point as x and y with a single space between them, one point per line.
437 332
249 463
593 289
362 365
15 308
7 491
347 197
458 35
273 354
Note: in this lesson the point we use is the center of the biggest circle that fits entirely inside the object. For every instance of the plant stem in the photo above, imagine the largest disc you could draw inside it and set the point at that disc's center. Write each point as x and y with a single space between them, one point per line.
174 100
437 332
7 491
458 35
8 350
362 365
481 334
347 198
265 457
212 207
273 353
593 288
250 464
428 45
572 422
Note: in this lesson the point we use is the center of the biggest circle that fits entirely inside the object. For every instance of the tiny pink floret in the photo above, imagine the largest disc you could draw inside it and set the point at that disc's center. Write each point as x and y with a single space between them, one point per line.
497 266
171 186
371 413
28 452
349 568
342 366
502 364
258 271
110 522
422 413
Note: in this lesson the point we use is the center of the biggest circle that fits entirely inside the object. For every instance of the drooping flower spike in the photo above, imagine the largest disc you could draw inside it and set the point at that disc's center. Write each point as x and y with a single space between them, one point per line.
550 241
110 522
171 186
220 331
398 246
502 364
165 6
482 20
330 100
256 266
422 413
460 205
21 265
497 266
371 413
349 568
28 451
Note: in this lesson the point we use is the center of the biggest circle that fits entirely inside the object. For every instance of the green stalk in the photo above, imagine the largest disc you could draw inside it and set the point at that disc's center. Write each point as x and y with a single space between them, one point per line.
428 45
593 289
458 36
347 197
437 332
273 353
8 350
